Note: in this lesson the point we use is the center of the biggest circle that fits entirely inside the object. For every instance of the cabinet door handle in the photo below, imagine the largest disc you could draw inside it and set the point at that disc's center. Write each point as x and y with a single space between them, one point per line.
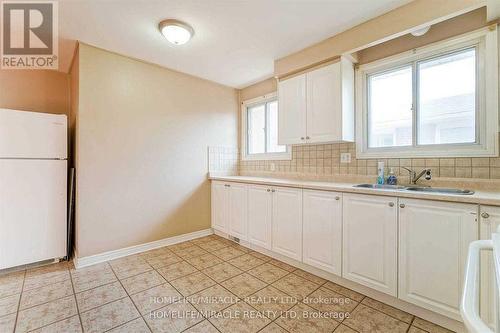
268 190
337 198
391 204
485 215
307 138
302 138
273 190
402 205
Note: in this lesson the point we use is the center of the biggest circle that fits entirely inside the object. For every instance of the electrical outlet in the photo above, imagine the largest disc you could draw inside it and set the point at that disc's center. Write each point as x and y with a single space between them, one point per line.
272 166
345 158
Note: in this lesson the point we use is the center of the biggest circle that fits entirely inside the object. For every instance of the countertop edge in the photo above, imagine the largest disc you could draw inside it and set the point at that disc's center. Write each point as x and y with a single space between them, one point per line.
479 197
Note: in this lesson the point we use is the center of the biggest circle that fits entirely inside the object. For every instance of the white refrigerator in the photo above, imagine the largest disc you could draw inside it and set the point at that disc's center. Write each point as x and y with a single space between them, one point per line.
33 190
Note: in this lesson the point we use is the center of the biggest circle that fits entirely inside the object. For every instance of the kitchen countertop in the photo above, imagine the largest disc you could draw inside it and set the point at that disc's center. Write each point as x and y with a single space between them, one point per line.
479 197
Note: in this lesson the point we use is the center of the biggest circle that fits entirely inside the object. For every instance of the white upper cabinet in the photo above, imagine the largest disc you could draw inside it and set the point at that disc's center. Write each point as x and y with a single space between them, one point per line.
317 106
370 233
238 210
292 110
287 222
434 238
322 230
260 214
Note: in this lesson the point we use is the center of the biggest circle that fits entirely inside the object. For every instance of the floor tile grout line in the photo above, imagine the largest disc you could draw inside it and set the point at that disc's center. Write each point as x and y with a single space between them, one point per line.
19 302
45 302
131 300
76 302
387 314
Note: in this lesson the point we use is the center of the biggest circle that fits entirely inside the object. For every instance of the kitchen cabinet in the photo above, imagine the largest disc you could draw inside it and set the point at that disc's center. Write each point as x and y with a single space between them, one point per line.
220 209
292 110
229 208
238 210
317 106
489 218
260 214
287 222
322 230
433 244
370 241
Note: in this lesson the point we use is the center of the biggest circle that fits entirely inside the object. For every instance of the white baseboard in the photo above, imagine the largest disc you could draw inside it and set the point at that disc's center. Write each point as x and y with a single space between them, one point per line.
115 254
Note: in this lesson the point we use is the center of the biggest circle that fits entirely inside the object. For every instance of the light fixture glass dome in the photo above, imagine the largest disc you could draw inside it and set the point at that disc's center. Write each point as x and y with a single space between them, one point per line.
176 32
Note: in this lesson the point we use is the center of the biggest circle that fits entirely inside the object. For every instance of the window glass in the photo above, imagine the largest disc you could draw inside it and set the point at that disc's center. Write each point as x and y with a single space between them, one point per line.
257 129
390 108
447 99
273 147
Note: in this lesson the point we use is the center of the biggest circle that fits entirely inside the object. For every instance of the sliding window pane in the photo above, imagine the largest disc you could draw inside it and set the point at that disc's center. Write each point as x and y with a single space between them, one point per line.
389 108
257 129
447 99
272 144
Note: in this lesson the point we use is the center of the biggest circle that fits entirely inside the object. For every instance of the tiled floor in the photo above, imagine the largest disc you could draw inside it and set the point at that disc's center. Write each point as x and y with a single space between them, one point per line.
205 285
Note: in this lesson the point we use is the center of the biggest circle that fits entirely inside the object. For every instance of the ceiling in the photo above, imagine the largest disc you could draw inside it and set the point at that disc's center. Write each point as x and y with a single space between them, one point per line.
235 41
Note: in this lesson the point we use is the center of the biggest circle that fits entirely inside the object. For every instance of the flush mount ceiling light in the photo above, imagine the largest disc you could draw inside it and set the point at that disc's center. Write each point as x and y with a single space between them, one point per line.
175 31
420 32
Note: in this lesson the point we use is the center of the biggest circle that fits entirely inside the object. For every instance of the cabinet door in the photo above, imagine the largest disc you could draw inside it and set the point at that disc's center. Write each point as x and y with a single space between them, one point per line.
370 241
238 210
219 206
433 245
322 227
287 222
324 104
292 110
490 220
260 215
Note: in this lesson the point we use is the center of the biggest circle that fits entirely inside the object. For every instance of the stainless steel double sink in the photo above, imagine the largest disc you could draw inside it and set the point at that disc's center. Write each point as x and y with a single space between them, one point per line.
412 188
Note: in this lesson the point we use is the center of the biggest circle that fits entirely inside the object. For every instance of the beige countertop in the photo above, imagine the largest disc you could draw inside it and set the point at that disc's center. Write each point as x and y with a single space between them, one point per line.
479 197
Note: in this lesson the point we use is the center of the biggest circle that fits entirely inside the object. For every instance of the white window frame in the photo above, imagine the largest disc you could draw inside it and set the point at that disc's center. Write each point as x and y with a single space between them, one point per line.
487 127
244 137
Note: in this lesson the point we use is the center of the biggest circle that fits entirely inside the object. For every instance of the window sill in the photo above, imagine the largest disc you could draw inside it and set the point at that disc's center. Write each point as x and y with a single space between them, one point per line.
407 152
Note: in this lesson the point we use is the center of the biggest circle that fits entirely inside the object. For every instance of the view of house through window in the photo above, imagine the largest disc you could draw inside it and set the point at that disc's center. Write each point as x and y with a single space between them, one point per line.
262 128
426 102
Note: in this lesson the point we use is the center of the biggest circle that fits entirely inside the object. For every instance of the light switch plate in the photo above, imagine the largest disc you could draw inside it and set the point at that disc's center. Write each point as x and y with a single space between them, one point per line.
345 158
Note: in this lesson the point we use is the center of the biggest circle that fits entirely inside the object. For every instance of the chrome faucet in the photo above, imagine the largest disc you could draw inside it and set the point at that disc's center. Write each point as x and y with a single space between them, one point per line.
414 177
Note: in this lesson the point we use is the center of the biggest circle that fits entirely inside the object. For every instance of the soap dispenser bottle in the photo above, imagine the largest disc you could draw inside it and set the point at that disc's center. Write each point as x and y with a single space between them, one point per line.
392 179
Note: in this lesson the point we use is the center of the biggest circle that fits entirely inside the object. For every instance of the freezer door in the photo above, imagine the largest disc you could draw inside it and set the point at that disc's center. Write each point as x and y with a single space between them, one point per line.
32 135
32 211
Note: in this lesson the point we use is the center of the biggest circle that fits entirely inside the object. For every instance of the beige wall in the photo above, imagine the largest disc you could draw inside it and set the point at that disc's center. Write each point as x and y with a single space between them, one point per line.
34 90
142 137
385 27
259 89
449 28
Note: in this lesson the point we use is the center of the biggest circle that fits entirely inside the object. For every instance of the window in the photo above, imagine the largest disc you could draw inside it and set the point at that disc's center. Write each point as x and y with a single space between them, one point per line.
431 101
260 130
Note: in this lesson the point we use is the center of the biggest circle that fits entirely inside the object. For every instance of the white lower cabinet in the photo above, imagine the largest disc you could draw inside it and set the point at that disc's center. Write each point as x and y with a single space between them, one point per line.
322 230
238 210
260 214
287 222
219 208
490 220
433 244
229 208
356 236
370 227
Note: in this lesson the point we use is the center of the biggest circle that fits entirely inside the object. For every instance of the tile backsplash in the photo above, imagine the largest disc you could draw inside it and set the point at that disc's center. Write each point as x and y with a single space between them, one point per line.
324 160
223 160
